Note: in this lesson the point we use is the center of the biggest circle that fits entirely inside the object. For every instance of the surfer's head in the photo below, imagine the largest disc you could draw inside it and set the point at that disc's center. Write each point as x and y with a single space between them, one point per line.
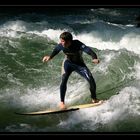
66 39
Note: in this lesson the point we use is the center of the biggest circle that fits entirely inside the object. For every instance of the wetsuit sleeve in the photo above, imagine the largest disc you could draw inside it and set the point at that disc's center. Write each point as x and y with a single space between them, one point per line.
55 51
89 51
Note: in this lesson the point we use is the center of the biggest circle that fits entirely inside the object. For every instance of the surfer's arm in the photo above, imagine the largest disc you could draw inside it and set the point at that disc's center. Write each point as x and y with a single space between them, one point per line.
90 52
55 51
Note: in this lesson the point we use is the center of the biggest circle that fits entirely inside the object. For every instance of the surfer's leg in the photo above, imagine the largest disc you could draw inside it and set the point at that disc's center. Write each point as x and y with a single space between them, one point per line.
85 72
63 86
65 75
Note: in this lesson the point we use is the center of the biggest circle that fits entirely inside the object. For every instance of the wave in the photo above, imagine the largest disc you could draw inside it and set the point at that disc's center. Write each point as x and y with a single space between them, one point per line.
27 84
101 35
107 117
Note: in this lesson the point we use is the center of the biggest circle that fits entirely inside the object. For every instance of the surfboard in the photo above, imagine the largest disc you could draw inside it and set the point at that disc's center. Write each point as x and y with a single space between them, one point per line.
56 111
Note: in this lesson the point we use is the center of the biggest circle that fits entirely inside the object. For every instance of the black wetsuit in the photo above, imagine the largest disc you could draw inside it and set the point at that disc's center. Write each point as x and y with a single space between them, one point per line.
75 62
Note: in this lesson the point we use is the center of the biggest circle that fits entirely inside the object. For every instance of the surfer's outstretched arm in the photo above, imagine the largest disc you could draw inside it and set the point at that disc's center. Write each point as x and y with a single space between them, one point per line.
56 50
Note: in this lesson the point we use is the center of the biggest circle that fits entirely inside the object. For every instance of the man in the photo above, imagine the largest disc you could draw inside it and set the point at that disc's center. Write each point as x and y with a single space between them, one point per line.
74 62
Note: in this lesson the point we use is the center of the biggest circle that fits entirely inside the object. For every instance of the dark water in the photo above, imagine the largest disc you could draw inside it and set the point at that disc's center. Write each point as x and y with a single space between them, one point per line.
27 84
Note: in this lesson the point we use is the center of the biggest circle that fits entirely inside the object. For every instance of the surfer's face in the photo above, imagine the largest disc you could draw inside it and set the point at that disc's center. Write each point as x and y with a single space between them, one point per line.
64 43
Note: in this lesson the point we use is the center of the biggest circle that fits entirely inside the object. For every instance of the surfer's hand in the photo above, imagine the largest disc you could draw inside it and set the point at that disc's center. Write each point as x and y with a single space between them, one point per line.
96 61
46 58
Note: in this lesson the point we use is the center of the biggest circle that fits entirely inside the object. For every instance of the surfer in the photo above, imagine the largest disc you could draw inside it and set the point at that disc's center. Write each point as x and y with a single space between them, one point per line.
73 62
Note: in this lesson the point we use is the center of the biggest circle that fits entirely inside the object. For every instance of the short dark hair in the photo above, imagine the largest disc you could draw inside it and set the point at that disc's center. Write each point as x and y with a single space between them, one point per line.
67 36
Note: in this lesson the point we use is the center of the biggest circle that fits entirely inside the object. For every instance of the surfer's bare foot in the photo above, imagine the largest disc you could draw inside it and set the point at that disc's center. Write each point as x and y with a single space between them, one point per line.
62 105
96 101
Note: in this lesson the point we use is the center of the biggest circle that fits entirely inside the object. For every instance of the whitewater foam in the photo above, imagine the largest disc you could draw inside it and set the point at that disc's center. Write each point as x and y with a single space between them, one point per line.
118 107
